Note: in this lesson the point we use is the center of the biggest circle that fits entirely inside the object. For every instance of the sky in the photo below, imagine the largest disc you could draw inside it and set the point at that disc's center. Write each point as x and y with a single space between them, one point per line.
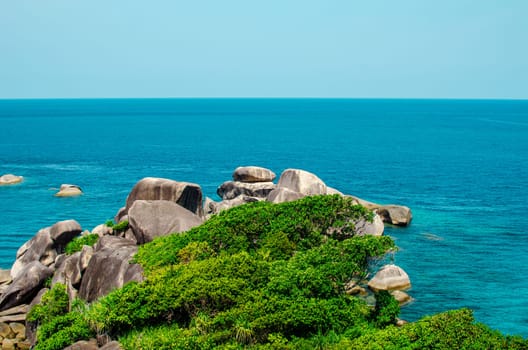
272 48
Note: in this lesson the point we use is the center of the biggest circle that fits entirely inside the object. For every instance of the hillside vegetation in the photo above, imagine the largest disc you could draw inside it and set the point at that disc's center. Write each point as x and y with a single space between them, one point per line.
268 276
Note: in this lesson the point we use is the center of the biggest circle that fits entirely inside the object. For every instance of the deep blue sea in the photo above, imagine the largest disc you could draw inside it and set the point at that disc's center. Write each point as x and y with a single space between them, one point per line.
462 166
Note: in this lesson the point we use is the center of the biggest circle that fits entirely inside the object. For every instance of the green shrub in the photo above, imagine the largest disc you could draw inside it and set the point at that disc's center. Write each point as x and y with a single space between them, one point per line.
78 242
62 331
386 310
54 303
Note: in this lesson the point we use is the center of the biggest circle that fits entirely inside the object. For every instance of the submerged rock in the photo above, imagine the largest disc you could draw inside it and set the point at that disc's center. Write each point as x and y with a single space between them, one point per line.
395 214
10 179
250 174
151 219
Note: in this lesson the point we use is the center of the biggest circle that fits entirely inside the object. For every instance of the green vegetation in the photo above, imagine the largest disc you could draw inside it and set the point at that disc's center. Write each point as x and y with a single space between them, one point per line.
78 242
119 227
264 276
58 328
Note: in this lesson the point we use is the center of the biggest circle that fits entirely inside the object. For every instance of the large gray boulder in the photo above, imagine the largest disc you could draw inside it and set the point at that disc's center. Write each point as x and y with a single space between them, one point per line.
374 228
150 219
302 181
390 277
10 179
233 189
40 248
282 194
186 194
63 232
395 214
253 174
69 270
109 268
25 285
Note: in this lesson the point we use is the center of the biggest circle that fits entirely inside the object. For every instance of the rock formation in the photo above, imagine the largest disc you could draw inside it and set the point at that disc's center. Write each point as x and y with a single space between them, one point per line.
390 277
67 190
10 179
150 219
186 194
251 174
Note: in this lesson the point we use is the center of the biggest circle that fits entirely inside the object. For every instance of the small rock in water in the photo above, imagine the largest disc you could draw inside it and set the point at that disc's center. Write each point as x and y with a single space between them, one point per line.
67 190
10 179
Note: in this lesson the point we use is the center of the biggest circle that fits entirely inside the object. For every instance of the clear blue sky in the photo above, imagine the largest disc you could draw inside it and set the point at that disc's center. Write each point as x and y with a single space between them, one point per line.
272 48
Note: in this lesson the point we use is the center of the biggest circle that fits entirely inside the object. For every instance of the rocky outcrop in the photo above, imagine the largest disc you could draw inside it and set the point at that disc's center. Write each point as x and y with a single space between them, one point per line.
68 190
211 207
186 194
14 314
45 245
253 174
301 181
232 189
150 219
281 195
25 285
10 179
395 214
39 248
109 268
63 232
401 297
390 277
374 228
13 336
5 276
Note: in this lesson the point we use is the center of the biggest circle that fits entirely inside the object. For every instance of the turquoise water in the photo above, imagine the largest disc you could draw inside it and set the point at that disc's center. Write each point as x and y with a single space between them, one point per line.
462 166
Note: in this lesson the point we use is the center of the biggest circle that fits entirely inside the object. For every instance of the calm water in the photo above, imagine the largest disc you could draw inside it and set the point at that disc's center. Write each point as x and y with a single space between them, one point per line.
462 166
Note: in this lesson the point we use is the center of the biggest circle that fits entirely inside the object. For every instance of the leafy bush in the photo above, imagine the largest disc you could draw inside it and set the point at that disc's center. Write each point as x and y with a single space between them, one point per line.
78 242
265 276
54 302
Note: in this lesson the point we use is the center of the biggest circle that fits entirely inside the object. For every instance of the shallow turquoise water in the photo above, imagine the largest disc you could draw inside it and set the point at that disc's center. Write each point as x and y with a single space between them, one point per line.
462 166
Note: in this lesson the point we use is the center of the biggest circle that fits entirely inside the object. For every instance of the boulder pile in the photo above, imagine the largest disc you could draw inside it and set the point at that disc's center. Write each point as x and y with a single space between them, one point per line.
155 207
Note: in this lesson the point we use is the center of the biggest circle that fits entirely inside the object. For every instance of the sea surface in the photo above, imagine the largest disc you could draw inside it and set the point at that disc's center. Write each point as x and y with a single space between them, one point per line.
461 165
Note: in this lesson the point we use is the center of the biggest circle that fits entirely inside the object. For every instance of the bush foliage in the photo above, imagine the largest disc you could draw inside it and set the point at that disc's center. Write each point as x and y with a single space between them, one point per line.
77 243
268 276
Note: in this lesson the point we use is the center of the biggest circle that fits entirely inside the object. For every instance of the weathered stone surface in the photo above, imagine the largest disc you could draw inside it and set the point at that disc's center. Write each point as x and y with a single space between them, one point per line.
39 248
83 345
395 214
150 219
113 345
390 277
331 191
233 189
6 331
67 190
212 207
281 195
86 254
109 268
8 344
25 286
253 174
186 194
14 314
63 232
10 179
302 181
102 230
68 271
402 297
18 328
23 345
374 228
5 276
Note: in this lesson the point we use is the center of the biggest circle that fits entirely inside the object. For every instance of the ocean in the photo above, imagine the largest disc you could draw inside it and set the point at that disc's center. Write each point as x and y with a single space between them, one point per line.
461 165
